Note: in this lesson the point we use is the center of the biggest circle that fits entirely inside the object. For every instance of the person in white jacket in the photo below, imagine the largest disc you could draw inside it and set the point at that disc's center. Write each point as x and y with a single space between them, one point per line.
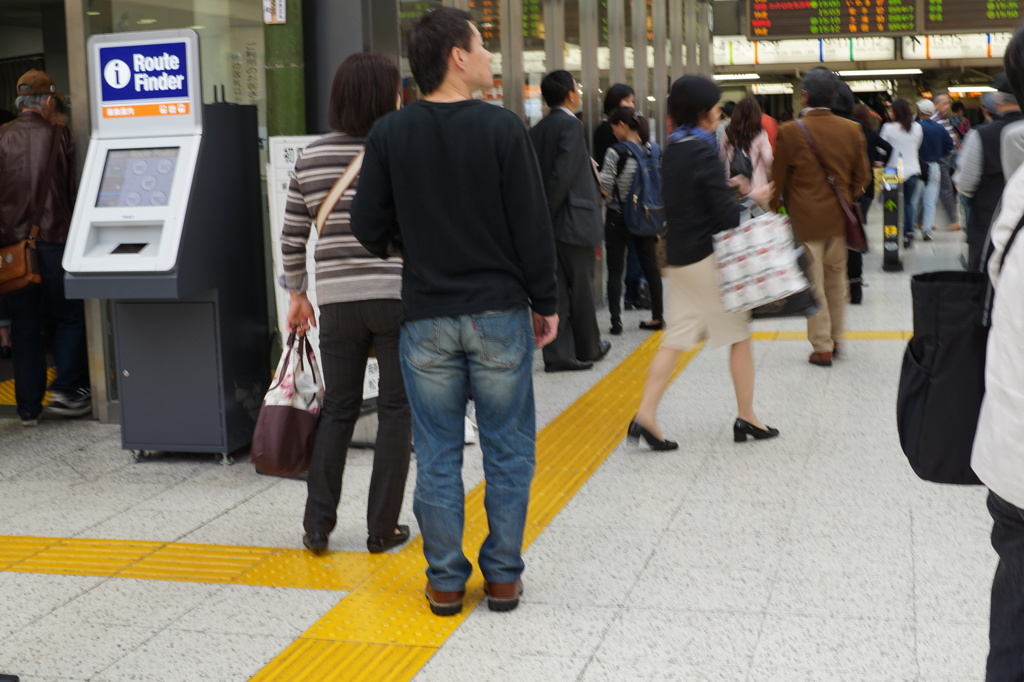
998 455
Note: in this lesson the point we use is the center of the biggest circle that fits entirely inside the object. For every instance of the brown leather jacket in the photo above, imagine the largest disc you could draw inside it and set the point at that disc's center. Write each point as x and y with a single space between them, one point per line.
24 153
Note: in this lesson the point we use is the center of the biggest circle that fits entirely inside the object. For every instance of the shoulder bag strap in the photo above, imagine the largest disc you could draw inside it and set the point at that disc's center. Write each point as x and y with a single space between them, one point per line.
340 186
828 171
986 318
44 183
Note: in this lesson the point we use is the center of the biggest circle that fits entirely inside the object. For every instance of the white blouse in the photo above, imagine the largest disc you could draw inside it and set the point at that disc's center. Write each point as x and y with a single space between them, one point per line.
905 145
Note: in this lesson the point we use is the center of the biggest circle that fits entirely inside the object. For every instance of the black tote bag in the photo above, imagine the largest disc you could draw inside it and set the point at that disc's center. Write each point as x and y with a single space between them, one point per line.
942 382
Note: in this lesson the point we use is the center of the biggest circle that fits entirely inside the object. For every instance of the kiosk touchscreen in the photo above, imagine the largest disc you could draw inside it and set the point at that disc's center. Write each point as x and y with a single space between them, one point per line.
168 226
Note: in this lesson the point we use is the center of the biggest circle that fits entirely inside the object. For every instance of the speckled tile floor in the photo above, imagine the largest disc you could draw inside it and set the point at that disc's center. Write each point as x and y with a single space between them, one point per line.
817 556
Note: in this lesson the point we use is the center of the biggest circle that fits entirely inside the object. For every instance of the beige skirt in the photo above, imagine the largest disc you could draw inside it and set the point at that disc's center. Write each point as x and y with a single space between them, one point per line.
694 310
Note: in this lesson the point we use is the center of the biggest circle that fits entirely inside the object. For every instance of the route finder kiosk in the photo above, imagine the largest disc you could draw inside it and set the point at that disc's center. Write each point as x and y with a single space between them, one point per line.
168 226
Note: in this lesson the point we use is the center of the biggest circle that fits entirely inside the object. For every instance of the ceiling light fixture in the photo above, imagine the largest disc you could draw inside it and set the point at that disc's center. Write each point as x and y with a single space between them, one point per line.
870 73
737 77
971 88
145 22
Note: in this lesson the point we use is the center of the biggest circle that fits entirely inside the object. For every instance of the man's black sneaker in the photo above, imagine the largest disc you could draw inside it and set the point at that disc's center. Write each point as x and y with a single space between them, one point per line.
77 404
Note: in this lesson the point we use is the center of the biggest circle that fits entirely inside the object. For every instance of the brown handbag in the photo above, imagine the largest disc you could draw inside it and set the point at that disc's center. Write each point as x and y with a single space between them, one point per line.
19 262
856 239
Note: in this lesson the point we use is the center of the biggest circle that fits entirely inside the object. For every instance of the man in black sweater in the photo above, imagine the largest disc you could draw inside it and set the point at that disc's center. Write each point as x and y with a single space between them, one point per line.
574 203
454 183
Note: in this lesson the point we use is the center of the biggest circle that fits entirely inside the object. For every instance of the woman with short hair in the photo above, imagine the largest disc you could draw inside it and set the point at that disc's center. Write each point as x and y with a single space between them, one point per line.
699 202
359 297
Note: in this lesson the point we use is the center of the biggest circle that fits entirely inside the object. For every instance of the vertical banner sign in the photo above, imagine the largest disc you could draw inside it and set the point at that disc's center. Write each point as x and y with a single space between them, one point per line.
274 12
892 217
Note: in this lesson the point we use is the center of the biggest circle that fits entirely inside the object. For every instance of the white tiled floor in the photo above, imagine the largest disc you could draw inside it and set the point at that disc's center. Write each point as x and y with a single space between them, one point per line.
814 557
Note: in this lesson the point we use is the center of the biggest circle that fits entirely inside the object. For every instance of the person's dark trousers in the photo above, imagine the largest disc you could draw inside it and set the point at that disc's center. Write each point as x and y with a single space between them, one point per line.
947 194
578 336
30 308
855 259
1006 623
347 331
616 239
975 253
634 275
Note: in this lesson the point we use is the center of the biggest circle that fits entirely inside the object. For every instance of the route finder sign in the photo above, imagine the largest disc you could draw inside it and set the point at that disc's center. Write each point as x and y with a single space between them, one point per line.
145 83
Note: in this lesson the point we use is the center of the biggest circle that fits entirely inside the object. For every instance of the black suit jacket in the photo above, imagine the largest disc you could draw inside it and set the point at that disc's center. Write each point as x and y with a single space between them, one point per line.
574 199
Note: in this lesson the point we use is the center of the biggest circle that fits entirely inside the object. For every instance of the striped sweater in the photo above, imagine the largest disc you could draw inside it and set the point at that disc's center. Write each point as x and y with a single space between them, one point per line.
345 271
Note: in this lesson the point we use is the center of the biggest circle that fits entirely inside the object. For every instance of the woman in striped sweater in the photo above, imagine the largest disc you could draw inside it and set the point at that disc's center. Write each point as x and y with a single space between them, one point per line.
359 297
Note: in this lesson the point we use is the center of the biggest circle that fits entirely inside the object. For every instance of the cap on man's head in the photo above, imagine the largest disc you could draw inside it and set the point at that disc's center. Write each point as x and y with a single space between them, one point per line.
926 107
36 82
1002 84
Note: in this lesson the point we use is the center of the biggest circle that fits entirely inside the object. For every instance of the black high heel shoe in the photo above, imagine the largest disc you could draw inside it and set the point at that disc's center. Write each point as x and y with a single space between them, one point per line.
636 432
653 326
742 428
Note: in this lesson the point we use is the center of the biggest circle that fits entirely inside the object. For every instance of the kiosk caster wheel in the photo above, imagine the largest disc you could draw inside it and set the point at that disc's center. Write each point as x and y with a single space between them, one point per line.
139 455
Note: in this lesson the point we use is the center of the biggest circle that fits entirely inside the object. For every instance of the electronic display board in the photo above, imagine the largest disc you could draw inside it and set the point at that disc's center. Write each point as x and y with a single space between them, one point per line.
968 16
778 19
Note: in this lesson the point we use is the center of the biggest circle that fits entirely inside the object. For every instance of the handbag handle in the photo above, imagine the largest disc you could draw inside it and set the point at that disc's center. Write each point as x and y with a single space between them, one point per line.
340 186
845 205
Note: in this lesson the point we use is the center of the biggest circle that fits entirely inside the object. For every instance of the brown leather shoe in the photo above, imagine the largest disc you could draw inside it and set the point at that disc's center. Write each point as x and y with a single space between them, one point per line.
444 603
821 359
503 596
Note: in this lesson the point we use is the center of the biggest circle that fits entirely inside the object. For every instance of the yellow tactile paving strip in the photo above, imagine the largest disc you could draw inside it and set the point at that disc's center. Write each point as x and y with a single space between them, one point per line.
341 571
7 388
382 630
386 618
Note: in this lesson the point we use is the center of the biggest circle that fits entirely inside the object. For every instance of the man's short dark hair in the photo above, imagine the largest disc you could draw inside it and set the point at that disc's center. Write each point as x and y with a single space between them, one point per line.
1013 62
820 85
430 44
366 87
958 107
690 98
843 100
613 98
556 86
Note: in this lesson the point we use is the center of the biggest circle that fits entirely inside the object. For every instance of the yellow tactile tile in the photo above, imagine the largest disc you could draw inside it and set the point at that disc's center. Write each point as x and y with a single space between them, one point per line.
197 563
86 557
7 388
14 549
313 659
340 571
852 335
389 607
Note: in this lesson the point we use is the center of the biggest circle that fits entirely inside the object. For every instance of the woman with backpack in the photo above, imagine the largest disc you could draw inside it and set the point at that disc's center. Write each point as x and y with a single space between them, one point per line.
745 148
622 162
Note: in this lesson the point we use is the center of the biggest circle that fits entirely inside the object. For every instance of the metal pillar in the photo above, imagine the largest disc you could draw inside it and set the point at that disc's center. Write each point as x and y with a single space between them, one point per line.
640 75
554 35
512 81
616 38
690 23
659 88
706 17
589 76
675 22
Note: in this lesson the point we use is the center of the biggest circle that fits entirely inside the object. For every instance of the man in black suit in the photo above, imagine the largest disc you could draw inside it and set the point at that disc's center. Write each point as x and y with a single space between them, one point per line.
574 202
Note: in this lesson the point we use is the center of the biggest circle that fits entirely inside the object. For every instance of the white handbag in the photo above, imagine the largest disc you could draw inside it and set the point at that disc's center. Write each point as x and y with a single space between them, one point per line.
757 262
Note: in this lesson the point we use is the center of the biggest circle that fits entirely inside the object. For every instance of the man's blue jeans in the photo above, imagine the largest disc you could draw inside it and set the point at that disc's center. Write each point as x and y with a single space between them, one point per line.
444 359
30 309
929 196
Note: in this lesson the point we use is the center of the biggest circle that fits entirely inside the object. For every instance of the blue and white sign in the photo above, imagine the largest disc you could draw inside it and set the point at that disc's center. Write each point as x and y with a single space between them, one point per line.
138 73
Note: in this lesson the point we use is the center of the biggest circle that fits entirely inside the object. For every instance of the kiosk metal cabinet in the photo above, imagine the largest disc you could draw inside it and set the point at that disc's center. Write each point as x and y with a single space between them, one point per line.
168 225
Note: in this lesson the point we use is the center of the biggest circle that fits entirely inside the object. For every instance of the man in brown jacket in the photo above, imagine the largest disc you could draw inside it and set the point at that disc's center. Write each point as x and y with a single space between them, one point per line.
803 187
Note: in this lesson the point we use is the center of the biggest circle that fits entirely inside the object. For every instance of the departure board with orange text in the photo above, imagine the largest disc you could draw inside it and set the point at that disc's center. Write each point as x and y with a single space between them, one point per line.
971 16
776 19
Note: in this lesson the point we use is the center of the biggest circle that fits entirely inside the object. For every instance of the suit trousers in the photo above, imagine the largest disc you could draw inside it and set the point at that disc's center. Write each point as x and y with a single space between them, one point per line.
347 331
578 335
829 282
